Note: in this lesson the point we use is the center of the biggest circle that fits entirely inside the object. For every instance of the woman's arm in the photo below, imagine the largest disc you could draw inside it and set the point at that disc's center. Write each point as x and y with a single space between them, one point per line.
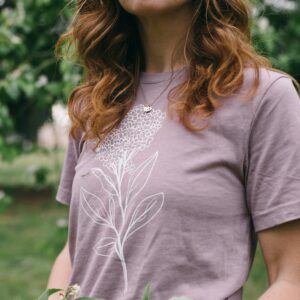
281 251
61 271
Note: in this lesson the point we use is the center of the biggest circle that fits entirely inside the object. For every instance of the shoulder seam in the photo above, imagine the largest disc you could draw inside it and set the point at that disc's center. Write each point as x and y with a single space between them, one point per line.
260 102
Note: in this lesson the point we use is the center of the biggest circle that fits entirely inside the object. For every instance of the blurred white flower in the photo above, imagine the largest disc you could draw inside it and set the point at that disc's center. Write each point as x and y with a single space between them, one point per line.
55 133
42 80
60 115
254 11
47 137
282 4
15 39
263 23
73 290
2 194
61 223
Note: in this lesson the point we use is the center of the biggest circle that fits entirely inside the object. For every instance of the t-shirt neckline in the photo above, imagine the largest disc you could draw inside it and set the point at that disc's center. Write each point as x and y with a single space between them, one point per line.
156 77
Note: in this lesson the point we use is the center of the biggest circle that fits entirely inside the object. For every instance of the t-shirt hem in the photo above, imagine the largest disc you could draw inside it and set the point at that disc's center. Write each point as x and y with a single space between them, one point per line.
277 216
62 196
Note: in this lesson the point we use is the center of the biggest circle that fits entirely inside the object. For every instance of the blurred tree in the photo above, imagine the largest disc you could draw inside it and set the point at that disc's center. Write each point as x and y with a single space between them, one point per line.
276 33
31 79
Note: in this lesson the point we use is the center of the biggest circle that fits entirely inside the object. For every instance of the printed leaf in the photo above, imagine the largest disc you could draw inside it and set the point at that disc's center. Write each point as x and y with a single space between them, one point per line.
48 293
93 207
145 211
105 181
105 246
140 176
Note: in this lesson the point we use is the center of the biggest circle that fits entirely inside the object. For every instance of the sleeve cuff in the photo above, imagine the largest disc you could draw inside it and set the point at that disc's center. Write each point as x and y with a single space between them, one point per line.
63 196
276 216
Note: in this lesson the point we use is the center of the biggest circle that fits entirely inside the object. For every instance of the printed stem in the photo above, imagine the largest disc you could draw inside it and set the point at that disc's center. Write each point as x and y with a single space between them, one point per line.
124 267
125 273
117 187
120 175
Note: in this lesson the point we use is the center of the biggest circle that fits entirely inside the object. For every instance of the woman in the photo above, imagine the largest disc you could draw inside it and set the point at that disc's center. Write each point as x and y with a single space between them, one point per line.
184 152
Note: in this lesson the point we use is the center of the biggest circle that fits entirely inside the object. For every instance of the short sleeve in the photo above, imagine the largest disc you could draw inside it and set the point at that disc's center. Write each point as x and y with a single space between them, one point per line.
273 158
64 191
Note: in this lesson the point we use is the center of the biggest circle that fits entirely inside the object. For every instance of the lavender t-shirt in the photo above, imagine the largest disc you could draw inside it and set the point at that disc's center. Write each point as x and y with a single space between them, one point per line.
157 204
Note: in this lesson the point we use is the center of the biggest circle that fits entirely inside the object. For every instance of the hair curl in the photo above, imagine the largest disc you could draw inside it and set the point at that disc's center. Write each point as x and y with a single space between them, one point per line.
106 42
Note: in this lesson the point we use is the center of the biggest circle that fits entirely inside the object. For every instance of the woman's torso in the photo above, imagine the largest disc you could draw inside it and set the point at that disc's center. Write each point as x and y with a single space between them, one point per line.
184 226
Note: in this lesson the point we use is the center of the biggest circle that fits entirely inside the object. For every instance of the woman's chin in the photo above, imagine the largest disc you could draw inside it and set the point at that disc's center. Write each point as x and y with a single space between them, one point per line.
151 7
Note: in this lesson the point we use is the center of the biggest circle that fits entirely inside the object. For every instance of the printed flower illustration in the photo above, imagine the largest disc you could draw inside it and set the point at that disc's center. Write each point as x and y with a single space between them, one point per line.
117 151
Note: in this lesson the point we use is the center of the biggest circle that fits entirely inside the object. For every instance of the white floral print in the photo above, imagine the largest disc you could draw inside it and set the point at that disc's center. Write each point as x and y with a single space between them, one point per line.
117 152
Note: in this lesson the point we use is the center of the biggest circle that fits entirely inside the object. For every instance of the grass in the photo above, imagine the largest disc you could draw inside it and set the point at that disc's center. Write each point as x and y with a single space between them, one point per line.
257 282
30 238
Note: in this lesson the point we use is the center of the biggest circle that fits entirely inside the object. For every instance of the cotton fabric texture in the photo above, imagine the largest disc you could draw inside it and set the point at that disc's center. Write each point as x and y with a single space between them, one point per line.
179 210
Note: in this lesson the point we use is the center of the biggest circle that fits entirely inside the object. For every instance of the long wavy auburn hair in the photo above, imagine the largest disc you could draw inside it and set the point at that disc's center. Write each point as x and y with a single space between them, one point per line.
106 41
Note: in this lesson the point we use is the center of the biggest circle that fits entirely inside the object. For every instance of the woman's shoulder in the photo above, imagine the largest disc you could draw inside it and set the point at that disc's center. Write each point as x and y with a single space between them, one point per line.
269 78
276 94
76 141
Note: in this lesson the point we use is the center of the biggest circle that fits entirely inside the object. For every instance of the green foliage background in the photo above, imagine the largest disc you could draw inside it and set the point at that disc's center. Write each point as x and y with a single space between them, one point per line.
31 78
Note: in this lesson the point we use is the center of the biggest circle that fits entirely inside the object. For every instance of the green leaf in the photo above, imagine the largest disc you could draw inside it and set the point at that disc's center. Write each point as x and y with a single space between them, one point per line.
146 293
48 293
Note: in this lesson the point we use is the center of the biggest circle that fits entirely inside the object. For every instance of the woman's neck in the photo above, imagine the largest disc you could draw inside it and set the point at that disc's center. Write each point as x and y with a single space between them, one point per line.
161 35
